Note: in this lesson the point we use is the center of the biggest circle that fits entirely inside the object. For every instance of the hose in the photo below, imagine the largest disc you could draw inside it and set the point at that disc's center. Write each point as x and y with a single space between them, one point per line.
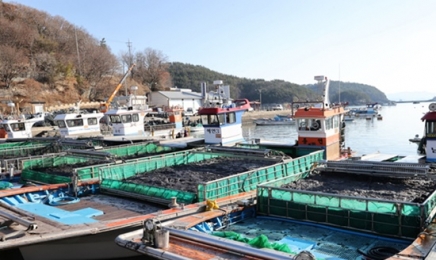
379 253
63 200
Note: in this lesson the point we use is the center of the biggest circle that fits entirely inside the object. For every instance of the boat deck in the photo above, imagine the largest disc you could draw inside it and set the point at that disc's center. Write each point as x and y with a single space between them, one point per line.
89 215
321 241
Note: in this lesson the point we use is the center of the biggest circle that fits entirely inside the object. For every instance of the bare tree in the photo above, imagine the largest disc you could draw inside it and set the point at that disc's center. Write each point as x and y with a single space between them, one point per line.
97 63
152 69
13 62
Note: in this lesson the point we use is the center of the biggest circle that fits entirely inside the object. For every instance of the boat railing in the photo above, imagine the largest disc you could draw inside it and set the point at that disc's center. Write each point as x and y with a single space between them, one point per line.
373 215
10 219
159 127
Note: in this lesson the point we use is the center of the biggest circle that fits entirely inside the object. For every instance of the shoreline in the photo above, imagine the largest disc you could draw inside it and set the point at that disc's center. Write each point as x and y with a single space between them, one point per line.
250 116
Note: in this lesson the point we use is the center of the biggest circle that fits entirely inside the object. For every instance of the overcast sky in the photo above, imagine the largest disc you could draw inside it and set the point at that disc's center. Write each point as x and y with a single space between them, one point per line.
389 44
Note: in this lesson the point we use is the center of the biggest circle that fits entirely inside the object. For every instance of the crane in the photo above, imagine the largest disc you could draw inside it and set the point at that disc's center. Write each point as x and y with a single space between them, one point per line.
105 106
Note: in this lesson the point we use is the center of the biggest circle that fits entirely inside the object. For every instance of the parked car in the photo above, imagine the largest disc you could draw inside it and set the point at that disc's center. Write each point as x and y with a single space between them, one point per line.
189 112
276 107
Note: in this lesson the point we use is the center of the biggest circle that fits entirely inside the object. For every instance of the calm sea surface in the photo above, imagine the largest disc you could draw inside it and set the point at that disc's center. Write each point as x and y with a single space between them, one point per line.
390 135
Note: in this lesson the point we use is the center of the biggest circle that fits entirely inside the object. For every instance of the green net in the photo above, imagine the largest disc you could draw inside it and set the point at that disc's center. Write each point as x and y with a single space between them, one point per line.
5 185
368 214
248 181
30 175
24 150
151 192
260 241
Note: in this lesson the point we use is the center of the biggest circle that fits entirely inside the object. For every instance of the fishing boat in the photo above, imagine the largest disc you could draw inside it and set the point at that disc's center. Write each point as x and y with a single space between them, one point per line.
369 109
77 124
235 230
17 127
221 116
52 222
63 205
379 117
276 120
129 123
415 139
349 117
367 226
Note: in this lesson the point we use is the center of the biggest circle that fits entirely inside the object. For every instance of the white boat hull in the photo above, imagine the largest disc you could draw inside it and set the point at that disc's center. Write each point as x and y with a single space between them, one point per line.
197 129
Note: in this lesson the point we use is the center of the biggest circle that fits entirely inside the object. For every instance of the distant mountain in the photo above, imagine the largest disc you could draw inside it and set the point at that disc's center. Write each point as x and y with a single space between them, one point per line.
409 96
353 93
275 91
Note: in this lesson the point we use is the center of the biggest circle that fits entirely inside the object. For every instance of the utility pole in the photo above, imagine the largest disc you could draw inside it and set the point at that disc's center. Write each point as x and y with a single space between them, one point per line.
78 54
129 46
260 99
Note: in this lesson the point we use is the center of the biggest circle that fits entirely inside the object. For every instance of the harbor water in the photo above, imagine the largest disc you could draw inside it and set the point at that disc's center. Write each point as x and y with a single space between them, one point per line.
388 136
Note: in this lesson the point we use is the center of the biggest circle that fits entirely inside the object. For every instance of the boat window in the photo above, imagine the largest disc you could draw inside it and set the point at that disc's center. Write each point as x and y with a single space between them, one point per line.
115 119
135 118
329 123
17 126
302 124
61 124
213 119
336 122
7 128
126 118
92 121
204 119
222 119
315 125
430 127
306 124
231 118
75 122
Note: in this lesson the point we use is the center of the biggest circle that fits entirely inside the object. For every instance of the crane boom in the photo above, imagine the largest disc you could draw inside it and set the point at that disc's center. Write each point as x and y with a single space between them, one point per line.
105 106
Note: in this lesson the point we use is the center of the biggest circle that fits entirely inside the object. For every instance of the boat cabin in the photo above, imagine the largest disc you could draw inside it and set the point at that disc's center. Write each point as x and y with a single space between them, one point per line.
320 123
126 122
222 122
16 127
175 116
76 124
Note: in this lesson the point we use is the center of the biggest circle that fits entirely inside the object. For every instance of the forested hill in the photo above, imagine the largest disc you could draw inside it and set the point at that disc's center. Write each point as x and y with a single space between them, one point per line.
354 93
276 91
